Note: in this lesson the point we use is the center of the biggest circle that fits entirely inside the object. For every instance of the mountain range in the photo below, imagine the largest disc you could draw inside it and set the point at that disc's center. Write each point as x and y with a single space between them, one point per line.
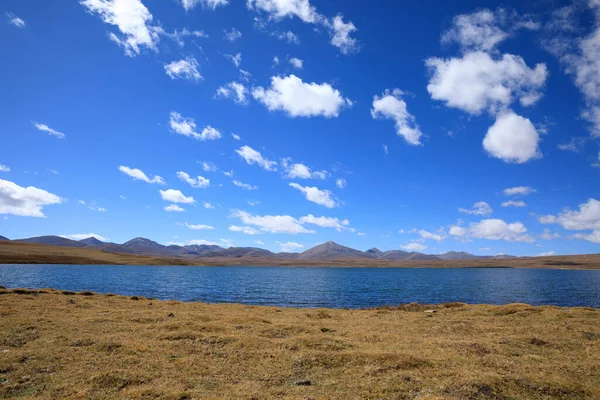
325 251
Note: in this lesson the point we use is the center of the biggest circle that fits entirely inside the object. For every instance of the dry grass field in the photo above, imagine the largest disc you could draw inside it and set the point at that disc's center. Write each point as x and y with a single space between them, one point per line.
64 345
31 253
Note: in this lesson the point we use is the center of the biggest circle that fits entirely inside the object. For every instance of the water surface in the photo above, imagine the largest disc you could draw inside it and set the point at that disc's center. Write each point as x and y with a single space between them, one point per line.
317 287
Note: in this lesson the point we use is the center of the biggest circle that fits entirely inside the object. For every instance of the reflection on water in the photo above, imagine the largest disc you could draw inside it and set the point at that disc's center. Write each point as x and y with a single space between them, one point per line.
317 287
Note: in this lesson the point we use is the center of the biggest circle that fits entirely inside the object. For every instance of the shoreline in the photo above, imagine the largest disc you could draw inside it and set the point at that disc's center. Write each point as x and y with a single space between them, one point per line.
57 344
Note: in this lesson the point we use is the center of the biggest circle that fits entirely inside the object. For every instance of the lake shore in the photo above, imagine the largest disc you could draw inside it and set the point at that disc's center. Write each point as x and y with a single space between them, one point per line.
31 253
56 344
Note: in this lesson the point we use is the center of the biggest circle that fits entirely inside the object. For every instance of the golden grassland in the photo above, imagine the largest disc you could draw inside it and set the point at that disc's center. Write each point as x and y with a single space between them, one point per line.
65 345
33 253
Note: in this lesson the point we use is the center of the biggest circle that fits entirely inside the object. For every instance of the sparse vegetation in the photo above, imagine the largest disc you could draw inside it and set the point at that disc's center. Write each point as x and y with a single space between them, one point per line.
55 346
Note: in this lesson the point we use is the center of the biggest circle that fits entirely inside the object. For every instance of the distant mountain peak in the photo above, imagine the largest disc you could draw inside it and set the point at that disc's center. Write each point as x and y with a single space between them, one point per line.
91 241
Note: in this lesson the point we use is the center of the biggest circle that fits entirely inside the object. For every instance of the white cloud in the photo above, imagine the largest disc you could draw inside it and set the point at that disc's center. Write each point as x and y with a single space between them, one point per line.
385 149
208 206
175 196
340 35
275 61
477 82
315 195
252 156
173 208
178 36
301 171
208 166
50 131
299 99
259 242
513 203
199 227
236 137
479 208
81 236
296 62
199 182
187 127
233 90
4 168
391 106
272 223
325 222
361 234
574 145
236 60
478 30
14 20
244 185
184 69
26 202
132 19
587 217
278 9
425 235
246 230
512 139
210 4
341 183
232 35
139 175
593 237
548 235
288 36
414 247
546 254
494 229
518 190
290 247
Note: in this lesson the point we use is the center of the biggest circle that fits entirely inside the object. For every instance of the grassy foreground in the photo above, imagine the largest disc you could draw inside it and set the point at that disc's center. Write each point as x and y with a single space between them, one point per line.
59 345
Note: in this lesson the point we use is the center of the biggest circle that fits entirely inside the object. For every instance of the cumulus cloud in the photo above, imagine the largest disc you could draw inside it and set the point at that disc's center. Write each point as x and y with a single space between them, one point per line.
512 139
494 229
244 185
208 206
479 208
279 9
340 35
24 201
173 208
549 235
290 247
390 105
175 196
518 190
425 235
546 254
252 156
315 195
14 20
325 222
187 127
477 82
296 62
513 203
208 166
199 182
587 217
301 171
199 227
139 175
299 99
288 36
48 130
341 183
232 35
184 69
210 4
271 223
414 246
233 90
574 145
235 59
593 237
246 230
4 168
132 19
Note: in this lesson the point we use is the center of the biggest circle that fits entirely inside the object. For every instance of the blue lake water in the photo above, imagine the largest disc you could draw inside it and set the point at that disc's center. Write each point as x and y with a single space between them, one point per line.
317 287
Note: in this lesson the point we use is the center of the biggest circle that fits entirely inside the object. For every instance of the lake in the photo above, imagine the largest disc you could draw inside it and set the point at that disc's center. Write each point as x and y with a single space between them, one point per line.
317 287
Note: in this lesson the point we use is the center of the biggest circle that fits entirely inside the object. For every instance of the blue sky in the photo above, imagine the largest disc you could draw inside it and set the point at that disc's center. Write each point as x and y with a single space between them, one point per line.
286 123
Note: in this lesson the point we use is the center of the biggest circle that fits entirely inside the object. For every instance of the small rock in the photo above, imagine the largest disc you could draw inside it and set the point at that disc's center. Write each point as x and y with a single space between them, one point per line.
303 382
5 351
134 298
171 315
150 303
430 311
71 302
